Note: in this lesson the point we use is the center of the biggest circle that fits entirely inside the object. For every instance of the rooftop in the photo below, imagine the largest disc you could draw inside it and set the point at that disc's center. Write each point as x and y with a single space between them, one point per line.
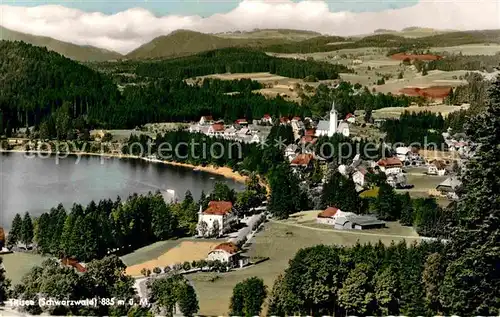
389 162
218 208
218 127
228 247
328 212
302 160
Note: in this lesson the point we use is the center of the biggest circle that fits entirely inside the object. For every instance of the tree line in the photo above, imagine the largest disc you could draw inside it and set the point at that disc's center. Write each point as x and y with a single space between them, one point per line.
422 128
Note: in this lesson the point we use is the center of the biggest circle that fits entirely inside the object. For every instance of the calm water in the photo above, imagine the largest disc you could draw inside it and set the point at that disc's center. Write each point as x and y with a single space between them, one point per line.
36 184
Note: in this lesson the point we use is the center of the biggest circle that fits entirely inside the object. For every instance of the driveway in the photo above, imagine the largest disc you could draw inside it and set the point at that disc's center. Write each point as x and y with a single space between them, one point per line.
248 222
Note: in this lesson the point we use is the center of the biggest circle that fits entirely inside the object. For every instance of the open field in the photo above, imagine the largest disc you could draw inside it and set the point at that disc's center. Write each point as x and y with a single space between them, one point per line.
275 84
167 253
470 49
17 264
395 112
280 242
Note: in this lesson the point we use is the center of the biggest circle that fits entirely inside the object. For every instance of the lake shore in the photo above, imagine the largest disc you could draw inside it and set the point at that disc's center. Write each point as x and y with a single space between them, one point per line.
222 171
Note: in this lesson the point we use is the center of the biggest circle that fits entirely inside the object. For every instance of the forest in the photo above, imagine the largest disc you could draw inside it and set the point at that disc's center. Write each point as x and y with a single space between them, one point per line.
422 128
395 42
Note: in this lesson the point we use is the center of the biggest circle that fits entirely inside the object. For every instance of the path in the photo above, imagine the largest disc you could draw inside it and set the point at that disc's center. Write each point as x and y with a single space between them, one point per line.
357 232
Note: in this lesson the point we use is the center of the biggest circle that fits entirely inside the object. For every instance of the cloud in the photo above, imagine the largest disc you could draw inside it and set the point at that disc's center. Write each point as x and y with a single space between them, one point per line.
129 29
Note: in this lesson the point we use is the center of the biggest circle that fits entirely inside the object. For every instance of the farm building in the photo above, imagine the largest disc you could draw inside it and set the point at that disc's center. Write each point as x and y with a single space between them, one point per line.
358 222
328 216
228 253
390 165
437 167
450 187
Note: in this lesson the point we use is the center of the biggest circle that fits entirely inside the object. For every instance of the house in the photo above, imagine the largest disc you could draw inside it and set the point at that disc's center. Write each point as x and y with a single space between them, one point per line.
310 132
206 120
229 254
359 178
230 132
302 161
284 120
350 118
436 167
332 126
390 165
350 220
216 129
291 151
450 188
241 122
266 119
328 216
220 212
403 153
79 267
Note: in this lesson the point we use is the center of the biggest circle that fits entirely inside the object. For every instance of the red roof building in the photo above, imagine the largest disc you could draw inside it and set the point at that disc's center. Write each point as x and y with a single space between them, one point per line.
349 115
266 116
328 212
284 120
390 162
241 121
217 127
310 132
219 208
302 160
75 264
228 247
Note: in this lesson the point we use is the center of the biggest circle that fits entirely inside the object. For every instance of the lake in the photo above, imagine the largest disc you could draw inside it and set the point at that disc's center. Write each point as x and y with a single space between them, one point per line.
38 184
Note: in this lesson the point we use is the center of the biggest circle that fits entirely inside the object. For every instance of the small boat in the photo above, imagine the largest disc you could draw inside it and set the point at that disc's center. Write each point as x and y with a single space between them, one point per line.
196 169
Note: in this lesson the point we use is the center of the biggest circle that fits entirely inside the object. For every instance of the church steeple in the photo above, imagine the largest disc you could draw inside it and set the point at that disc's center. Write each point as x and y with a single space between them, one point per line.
333 120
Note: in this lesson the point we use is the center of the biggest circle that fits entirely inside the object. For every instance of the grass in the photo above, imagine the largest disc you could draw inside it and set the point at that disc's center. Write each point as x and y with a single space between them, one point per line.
167 253
372 192
17 264
279 242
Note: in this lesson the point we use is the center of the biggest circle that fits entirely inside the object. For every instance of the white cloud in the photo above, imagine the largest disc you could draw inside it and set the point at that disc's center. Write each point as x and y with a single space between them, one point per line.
129 29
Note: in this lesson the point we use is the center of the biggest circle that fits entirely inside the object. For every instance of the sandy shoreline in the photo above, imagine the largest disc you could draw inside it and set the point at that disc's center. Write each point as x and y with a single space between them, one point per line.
223 171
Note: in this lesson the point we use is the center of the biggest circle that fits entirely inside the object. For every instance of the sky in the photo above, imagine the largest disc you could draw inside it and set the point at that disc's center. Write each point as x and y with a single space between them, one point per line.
123 26
203 8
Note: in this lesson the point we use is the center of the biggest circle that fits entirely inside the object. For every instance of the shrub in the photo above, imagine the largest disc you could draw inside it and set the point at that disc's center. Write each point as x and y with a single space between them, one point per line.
166 269
186 266
156 270
146 272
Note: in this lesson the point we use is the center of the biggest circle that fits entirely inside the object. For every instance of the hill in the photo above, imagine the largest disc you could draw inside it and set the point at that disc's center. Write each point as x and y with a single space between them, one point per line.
184 42
35 83
288 34
73 51
397 40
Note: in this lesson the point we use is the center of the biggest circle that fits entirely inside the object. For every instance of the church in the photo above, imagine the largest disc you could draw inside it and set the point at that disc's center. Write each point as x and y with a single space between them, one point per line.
332 126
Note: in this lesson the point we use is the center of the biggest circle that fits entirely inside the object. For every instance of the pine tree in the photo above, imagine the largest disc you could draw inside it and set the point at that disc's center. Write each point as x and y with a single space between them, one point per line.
27 229
472 280
4 284
15 231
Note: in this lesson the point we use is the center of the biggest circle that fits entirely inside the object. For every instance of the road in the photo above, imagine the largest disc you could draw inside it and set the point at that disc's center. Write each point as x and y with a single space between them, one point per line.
234 237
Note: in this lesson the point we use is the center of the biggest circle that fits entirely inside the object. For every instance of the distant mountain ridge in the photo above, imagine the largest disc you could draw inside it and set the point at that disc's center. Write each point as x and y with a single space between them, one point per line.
185 42
73 51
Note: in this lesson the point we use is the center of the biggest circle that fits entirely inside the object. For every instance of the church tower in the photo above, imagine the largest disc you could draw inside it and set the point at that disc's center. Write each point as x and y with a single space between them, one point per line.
333 121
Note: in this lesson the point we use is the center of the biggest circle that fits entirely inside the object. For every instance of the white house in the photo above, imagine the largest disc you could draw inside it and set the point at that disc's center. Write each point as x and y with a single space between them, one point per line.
359 177
332 126
206 120
216 129
436 168
291 151
403 153
350 118
390 165
229 254
266 119
217 211
328 216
